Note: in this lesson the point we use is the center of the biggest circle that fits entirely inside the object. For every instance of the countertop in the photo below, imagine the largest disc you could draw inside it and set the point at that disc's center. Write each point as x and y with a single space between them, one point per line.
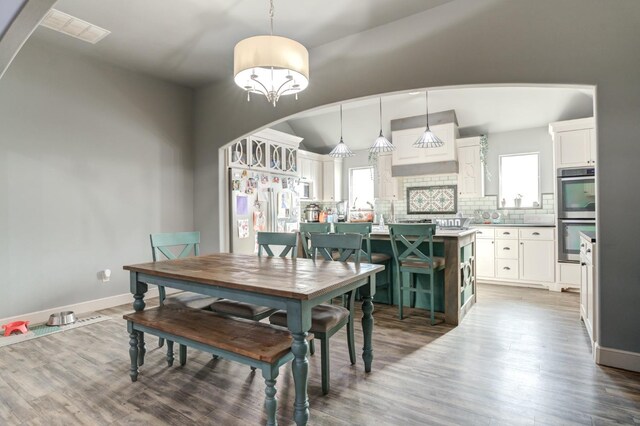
454 233
517 225
590 235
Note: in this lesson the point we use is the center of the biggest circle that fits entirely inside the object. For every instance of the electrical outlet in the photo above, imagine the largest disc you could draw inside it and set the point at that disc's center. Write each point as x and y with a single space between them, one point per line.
105 275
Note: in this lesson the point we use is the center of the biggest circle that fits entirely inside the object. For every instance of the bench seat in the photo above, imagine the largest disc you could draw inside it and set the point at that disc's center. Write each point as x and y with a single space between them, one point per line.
256 344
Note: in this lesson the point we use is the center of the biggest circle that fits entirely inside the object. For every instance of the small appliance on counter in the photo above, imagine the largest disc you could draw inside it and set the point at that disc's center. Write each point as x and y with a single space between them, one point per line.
361 215
312 213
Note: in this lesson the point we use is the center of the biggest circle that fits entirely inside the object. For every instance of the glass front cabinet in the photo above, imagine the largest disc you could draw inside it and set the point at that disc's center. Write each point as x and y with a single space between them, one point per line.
268 150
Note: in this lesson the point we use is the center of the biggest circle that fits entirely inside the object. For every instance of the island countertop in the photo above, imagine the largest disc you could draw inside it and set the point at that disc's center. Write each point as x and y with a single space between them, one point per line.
443 233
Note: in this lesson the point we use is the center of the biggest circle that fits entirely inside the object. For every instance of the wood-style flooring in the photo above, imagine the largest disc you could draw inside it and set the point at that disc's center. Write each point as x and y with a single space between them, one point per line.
521 356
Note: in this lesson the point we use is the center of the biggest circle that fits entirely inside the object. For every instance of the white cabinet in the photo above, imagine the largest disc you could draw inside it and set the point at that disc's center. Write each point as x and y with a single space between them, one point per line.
387 187
268 150
587 286
485 262
518 255
304 165
316 178
470 169
574 142
332 179
406 153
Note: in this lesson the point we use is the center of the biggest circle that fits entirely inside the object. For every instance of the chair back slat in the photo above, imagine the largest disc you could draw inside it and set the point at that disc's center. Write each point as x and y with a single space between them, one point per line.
363 229
347 245
287 239
306 229
161 244
403 249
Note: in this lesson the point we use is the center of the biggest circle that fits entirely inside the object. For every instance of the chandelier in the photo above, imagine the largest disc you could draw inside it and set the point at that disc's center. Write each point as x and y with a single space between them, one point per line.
428 138
270 65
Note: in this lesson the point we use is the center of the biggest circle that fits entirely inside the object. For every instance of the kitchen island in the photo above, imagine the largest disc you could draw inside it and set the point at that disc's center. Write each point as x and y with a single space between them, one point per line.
455 290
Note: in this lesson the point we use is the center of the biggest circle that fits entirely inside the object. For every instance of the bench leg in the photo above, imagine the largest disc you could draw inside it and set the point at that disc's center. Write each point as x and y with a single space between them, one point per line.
270 402
183 355
169 353
141 349
133 354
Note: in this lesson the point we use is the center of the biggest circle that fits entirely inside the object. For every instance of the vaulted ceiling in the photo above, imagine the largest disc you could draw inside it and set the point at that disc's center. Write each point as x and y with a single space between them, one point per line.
191 42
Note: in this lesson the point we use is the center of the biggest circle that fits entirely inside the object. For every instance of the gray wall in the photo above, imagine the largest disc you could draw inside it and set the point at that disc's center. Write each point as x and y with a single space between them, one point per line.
93 158
473 42
516 142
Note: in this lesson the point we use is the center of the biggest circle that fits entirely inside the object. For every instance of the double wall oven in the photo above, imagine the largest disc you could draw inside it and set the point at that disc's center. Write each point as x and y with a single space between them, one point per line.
576 209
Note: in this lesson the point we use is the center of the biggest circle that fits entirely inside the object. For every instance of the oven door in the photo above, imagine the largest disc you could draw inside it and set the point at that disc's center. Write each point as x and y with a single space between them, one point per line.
577 197
569 238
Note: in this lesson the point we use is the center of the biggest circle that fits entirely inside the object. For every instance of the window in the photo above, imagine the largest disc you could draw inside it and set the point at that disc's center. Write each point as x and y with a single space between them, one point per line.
519 181
361 193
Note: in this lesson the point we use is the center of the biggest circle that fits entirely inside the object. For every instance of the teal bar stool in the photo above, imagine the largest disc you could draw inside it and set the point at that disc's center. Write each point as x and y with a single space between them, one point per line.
267 241
410 260
367 255
327 319
178 245
306 229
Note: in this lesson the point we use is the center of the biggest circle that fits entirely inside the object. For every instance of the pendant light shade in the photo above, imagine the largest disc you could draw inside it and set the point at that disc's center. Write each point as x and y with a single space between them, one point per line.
341 150
428 138
381 144
271 66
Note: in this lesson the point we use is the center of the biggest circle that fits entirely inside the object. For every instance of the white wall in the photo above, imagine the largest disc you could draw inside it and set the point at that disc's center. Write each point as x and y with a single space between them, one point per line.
586 42
93 158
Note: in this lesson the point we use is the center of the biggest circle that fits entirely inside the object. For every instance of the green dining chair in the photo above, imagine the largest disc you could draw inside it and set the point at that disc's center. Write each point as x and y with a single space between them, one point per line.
178 245
410 260
367 255
267 241
327 319
306 229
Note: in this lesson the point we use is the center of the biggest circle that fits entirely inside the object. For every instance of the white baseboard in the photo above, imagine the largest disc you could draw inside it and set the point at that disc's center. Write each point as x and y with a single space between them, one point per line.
512 283
83 307
617 358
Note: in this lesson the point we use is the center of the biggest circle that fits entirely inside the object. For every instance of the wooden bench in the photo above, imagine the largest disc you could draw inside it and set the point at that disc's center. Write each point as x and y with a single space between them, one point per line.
256 344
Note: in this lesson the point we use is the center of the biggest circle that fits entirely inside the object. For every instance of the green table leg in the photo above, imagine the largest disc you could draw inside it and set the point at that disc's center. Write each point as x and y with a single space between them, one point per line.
169 353
367 330
300 369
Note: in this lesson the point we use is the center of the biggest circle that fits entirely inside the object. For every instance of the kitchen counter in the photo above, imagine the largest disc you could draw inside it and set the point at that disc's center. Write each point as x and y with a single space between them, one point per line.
378 231
589 235
516 225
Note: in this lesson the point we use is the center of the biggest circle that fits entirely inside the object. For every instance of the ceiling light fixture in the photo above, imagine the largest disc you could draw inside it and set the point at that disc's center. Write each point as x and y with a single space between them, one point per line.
270 65
428 138
381 144
341 150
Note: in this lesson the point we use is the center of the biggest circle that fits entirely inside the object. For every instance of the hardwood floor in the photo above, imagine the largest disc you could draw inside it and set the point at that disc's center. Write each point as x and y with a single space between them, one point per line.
521 356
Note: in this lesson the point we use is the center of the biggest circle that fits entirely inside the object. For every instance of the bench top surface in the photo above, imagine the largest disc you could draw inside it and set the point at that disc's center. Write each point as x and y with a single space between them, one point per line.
300 279
252 339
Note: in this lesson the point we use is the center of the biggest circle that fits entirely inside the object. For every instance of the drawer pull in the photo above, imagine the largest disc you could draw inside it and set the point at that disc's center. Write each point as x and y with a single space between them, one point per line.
506 248
581 245
536 233
506 233
506 268
588 250
583 264
479 232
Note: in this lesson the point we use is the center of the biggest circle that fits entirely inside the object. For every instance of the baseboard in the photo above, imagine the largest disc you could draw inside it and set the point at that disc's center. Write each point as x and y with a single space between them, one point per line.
512 283
83 307
617 358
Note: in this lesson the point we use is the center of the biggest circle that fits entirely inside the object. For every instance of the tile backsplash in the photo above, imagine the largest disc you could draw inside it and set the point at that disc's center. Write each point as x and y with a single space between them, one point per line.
465 205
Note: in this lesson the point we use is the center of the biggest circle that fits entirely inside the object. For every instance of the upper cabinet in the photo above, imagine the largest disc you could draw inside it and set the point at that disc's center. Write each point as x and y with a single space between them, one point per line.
406 153
268 150
332 179
324 173
470 168
574 142
387 187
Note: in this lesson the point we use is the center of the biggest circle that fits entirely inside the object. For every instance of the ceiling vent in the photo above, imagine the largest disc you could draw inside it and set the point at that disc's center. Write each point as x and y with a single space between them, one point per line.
70 25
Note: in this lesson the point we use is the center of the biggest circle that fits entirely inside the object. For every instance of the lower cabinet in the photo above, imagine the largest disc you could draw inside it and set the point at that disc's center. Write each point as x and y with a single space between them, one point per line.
587 286
517 255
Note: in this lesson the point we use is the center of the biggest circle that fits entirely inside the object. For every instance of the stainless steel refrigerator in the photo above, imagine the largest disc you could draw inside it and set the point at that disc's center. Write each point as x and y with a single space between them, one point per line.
260 201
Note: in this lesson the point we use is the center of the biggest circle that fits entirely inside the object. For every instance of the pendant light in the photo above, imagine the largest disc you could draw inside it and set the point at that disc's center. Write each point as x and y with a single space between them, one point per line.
341 150
428 138
381 144
271 66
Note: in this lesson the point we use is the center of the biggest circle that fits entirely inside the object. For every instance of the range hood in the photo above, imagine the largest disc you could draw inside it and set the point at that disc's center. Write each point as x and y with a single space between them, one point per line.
409 161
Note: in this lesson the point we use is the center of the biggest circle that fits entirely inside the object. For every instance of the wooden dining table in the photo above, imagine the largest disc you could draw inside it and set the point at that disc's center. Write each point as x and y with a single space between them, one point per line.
295 285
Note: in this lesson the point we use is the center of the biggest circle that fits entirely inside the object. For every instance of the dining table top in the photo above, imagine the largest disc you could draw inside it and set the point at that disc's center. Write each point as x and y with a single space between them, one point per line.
293 278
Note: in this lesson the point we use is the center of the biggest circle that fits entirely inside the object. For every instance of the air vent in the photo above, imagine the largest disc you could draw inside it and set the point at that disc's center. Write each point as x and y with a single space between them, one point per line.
74 27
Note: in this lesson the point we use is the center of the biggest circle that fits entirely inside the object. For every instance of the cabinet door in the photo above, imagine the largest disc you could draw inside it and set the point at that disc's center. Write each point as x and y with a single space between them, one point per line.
592 141
328 181
305 167
590 295
316 177
486 262
573 148
470 176
584 282
387 185
537 261
405 152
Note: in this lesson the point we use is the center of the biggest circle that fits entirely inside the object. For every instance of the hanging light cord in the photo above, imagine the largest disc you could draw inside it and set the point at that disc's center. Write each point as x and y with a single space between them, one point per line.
380 116
426 95
271 13
340 123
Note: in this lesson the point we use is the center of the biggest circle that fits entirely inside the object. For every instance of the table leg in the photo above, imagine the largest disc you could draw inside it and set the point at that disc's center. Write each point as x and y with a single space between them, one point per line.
138 289
367 330
300 369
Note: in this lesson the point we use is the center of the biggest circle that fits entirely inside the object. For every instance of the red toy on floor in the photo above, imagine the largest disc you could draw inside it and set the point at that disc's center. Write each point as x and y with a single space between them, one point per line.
20 326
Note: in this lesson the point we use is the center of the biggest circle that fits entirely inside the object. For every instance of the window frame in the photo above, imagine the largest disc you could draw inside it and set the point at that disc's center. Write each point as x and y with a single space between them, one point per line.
373 183
500 173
